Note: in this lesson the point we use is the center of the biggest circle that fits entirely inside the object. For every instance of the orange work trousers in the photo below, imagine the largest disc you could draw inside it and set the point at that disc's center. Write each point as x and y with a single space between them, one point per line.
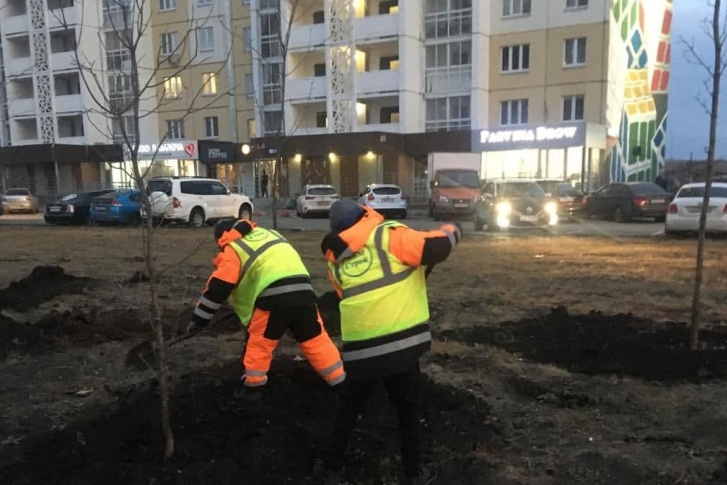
265 330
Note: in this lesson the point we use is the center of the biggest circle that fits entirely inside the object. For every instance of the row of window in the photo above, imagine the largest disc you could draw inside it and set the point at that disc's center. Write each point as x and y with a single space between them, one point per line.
516 58
205 41
173 86
175 128
516 8
172 4
515 111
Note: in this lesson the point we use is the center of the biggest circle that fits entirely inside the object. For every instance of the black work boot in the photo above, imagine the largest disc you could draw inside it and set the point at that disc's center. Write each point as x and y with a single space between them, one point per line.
249 393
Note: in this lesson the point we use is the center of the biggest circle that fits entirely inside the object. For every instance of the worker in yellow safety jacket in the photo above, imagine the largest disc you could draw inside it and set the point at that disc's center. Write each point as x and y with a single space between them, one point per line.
268 286
377 267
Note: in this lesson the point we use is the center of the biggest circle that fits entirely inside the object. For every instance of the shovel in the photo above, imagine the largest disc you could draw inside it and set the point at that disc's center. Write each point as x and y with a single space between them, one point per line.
143 355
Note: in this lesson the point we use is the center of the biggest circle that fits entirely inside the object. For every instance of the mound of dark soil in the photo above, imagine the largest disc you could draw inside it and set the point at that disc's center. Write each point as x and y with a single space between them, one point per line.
222 440
42 284
328 306
601 344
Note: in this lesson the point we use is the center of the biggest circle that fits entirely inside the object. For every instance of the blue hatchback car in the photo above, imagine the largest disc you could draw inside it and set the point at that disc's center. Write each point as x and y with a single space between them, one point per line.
119 207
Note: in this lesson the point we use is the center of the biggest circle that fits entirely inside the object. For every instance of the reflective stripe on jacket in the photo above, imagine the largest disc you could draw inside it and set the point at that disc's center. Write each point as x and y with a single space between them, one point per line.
265 257
384 306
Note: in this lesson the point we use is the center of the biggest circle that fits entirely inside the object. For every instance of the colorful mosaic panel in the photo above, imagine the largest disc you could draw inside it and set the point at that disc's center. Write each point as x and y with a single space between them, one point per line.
639 153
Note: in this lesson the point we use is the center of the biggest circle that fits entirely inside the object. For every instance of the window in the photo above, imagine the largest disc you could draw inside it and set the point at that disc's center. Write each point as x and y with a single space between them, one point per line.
269 30
573 108
251 129
209 83
211 127
389 63
173 87
389 114
576 3
204 3
447 18
167 4
273 121
168 43
247 38
516 58
319 17
388 7
206 39
321 119
512 8
514 112
250 85
272 84
448 67
447 114
175 129
575 51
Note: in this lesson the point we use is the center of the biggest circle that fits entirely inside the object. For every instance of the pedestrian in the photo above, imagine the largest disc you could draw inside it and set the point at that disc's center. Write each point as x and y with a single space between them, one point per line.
269 288
377 269
264 184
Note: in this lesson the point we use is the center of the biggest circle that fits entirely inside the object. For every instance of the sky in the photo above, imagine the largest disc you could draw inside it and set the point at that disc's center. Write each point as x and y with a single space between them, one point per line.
688 122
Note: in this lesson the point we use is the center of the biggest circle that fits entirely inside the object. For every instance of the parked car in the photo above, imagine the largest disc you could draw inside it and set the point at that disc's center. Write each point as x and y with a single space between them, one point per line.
507 203
623 201
194 201
385 199
72 208
571 201
315 199
120 207
19 200
684 211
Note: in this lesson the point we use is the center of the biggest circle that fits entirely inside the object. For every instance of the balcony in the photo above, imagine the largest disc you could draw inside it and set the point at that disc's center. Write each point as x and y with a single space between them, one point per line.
377 27
307 36
22 108
72 140
15 25
70 103
385 127
26 141
309 131
61 18
63 61
306 89
372 83
20 67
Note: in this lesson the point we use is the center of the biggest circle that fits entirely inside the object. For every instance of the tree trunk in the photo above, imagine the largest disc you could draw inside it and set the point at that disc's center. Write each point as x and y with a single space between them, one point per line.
716 79
273 192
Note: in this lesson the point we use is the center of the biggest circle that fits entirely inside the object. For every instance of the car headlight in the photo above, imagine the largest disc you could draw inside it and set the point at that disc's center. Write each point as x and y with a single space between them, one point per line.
443 199
551 208
503 208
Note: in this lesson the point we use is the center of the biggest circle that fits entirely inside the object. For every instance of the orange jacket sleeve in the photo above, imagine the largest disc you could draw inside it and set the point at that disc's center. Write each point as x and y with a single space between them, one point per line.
219 286
417 248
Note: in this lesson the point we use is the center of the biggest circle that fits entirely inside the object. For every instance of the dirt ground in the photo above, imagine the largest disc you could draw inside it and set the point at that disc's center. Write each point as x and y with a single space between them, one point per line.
557 360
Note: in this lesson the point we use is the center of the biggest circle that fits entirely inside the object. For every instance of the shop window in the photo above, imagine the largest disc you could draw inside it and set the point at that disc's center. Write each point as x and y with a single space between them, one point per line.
575 52
319 70
573 108
211 127
516 58
513 8
389 63
514 112
319 17
209 83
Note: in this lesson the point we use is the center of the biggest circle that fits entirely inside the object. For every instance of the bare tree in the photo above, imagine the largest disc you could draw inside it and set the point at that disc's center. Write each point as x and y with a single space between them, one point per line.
716 30
133 93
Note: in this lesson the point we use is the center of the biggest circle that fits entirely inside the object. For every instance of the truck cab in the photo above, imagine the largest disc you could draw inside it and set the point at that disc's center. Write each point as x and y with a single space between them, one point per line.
453 192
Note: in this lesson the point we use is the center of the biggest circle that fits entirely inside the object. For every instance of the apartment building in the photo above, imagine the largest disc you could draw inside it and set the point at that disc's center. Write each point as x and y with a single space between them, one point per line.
570 89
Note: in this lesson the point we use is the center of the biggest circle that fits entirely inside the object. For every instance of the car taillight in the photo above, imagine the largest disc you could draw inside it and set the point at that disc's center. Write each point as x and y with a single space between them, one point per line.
673 208
639 201
116 203
309 197
371 197
175 203
724 211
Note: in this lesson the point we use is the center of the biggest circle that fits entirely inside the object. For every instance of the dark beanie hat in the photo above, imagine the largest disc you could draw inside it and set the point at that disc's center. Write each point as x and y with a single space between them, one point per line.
344 214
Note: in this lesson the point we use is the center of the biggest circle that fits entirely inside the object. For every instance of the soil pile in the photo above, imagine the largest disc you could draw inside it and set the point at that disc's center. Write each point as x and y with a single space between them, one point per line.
42 284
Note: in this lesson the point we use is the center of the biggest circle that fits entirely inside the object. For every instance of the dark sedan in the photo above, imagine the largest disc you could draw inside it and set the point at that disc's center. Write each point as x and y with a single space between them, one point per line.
571 201
623 201
72 208
513 203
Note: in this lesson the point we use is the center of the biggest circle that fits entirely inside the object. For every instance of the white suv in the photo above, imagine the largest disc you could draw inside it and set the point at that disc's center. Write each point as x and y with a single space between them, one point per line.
195 200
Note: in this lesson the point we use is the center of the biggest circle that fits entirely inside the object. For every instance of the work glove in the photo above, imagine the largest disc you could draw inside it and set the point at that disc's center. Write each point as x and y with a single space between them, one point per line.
460 229
194 327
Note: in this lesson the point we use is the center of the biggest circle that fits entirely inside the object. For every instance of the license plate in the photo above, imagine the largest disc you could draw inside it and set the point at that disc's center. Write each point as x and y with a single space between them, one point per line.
54 209
387 199
658 201
459 206
529 218
100 209
321 202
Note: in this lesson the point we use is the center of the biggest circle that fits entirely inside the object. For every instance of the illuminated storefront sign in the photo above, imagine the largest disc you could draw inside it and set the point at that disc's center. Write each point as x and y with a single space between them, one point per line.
543 137
183 149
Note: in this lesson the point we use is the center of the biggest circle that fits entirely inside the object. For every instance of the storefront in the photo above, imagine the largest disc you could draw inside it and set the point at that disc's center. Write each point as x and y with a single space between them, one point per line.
575 152
227 162
171 158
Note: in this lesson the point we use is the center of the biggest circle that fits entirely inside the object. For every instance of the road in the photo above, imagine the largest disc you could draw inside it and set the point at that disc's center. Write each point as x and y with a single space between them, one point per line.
419 220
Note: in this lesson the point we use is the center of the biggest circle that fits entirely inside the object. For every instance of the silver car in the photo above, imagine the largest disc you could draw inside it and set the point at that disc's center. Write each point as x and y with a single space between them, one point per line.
385 199
19 200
